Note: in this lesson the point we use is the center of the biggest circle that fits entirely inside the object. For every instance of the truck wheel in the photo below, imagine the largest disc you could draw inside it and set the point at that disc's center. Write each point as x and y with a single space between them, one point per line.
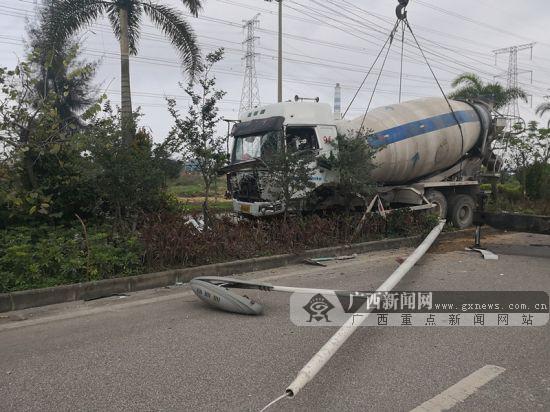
438 198
462 211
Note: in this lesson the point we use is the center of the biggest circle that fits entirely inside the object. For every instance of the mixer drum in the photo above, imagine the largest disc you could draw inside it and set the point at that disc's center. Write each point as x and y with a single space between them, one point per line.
417 138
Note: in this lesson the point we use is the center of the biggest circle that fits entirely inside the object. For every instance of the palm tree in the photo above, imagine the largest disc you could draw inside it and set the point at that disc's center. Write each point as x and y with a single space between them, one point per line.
471 86
125 17
542 109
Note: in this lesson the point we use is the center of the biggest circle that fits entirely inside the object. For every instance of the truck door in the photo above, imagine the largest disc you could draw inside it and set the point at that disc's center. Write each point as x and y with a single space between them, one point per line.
301 138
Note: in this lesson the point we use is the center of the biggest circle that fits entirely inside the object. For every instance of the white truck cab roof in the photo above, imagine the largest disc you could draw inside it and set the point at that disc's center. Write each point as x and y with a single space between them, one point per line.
295 113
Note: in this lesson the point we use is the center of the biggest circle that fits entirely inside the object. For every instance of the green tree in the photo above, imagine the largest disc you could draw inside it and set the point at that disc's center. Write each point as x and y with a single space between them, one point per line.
41 154
125 16
195 135
537 181
127 181
40 107
288 172
471 86
31 131
50 172
542 109
528 152
352 160
59 70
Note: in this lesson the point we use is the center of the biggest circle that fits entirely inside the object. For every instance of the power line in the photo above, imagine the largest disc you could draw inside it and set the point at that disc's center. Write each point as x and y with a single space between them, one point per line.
360 22
460 51
450 48
454 70
342 24
470 20
329 44
173 63
337 64
445 57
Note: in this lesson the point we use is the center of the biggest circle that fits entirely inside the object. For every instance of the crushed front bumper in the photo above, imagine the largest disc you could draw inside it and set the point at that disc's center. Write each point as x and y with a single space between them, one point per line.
257 208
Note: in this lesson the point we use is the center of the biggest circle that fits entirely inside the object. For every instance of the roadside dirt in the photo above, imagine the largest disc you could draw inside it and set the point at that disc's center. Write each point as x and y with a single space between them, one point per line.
444 246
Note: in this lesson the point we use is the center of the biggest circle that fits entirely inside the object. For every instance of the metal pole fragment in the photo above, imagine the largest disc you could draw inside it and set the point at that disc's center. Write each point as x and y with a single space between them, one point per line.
477 237
320 359
291 289
280 55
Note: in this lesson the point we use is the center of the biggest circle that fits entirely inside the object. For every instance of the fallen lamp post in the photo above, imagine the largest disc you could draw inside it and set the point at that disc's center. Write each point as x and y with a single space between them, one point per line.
215 292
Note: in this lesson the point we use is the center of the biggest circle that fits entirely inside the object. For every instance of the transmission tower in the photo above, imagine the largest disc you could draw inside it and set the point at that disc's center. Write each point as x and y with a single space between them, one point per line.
250 96
512 108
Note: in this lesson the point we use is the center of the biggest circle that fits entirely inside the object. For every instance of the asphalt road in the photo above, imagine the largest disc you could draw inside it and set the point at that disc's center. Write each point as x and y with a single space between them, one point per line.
165 350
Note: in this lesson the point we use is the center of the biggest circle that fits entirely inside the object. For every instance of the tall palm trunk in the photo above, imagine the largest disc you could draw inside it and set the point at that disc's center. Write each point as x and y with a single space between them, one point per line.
128 127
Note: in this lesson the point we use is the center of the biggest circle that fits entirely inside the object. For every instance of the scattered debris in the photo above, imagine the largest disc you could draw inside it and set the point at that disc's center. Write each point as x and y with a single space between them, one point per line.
317 261
198 224
314 262
487 254
104 296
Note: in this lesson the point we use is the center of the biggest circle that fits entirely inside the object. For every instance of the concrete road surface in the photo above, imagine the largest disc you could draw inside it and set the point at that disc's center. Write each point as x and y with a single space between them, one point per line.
165 350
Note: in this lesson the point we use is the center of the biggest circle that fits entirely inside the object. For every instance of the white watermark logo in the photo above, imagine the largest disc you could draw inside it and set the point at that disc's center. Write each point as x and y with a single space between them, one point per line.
420 308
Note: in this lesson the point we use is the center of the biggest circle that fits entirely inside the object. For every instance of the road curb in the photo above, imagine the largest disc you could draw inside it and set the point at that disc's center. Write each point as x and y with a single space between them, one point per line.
107 287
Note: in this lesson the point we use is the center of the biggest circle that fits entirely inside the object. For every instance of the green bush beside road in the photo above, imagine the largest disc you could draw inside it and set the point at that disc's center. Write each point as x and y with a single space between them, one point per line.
43 256
47 255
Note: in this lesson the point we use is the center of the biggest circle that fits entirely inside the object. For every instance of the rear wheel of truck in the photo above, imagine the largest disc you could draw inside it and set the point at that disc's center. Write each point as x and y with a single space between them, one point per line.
440 209
461 211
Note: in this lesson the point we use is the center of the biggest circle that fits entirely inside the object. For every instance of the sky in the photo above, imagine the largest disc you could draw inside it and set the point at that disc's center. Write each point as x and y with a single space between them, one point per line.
324 42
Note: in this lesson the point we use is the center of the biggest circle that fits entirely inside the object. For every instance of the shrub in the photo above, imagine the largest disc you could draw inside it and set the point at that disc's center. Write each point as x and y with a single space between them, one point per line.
510 191
169 241
43 256
35 257
537 181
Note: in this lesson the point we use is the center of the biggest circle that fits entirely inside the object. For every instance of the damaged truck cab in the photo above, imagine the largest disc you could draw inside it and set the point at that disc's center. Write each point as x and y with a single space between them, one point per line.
304 125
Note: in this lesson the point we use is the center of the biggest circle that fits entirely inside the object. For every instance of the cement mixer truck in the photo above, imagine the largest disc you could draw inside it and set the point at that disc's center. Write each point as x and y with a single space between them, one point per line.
428 156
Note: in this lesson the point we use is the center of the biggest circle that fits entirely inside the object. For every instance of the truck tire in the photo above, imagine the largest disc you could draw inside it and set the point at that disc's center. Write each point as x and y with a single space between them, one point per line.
461 211
438 198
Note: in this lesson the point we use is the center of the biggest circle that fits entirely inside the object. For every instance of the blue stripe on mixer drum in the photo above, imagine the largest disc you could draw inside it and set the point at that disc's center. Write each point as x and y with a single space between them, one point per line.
412 129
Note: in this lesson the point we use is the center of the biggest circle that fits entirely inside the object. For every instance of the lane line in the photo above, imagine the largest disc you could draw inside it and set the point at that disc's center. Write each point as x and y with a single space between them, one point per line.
460 390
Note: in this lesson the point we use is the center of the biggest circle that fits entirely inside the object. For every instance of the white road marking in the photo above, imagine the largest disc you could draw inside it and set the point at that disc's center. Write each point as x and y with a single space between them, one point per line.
460 390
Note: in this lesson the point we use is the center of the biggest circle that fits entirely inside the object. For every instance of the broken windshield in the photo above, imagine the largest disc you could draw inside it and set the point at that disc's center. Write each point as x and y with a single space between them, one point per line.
260 146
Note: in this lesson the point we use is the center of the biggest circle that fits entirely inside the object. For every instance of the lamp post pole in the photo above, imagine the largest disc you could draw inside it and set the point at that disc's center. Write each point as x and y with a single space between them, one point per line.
280 53
280 56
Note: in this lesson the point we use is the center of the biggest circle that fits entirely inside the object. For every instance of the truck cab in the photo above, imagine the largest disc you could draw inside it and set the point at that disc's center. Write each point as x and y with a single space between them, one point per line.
260 132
